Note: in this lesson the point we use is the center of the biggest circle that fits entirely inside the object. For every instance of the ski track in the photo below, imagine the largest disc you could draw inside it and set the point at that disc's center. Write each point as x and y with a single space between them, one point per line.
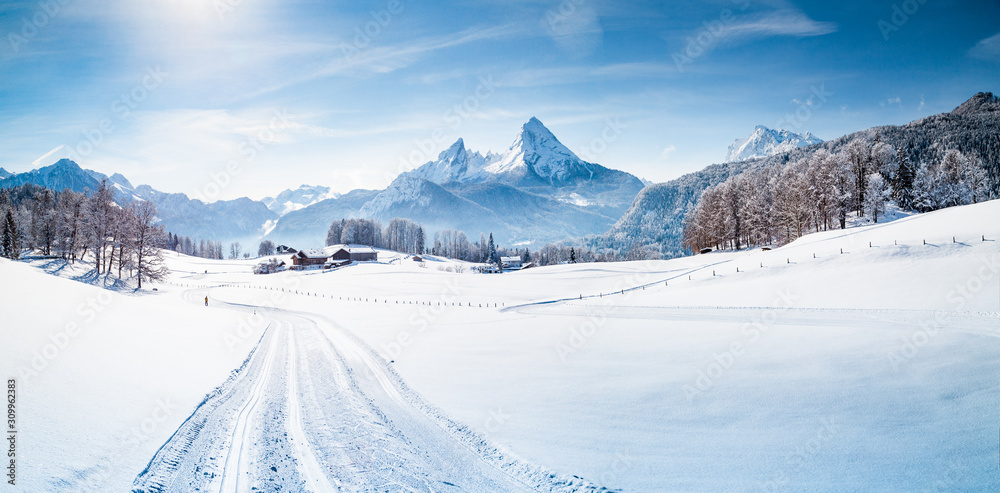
238 453
315 409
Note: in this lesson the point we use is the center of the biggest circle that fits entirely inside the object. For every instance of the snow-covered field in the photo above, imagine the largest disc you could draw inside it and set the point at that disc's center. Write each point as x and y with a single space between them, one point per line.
858 360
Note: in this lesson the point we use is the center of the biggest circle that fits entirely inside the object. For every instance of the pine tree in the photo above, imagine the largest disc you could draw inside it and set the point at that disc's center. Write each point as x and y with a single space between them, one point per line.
491 250
11 243
902 182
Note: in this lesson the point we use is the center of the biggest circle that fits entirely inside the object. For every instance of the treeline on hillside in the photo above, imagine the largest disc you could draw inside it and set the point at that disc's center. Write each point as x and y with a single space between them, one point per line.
401 235
774 205
656 218
202 248
83 227
404 235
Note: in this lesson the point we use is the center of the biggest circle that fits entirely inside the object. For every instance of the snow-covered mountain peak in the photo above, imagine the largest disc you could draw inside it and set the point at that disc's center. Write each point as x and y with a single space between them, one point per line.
293 200
537 151
764 142
455 164
4 173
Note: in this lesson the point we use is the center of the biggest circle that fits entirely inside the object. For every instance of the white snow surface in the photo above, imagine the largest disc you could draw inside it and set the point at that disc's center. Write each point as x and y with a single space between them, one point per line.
851 360
764 142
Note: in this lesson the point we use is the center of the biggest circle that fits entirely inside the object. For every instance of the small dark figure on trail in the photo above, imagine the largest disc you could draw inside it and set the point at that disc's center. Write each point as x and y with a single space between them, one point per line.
206 301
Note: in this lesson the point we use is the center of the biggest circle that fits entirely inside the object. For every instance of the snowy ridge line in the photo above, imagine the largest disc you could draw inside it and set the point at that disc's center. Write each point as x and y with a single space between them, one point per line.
533 476
191 430
868 311
612 293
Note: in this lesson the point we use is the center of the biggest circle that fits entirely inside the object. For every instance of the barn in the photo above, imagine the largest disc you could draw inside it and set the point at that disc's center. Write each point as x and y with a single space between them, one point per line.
356 253
362 253
309 258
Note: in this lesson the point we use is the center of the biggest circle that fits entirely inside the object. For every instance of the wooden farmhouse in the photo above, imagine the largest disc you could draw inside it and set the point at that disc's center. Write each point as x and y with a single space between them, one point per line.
333 256
309 258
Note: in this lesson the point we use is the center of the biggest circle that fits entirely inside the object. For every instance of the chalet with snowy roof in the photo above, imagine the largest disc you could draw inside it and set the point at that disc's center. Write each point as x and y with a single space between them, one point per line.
284 249
510 262
356 253
362 253
309 258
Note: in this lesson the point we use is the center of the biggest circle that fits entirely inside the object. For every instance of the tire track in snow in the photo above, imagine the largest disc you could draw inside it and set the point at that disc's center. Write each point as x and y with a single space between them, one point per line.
327 413
308 465
235 464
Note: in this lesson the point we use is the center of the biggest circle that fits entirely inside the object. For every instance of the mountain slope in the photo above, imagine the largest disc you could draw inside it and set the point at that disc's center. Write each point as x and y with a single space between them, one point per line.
764 142
657 214
224 220
307 227
432 206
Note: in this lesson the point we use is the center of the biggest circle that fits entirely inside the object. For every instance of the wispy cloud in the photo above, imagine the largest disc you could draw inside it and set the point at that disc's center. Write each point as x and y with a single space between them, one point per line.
343 60
785 22
586 73
892 101
575 27
667 151
987 49
40 160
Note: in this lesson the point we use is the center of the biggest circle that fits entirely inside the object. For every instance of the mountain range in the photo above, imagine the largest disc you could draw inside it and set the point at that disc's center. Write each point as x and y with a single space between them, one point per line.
764 142
536 192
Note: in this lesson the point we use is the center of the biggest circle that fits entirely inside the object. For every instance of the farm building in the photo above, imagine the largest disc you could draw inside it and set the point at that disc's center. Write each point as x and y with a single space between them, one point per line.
284 249
510 262
356 253
309 258
362 253
338 252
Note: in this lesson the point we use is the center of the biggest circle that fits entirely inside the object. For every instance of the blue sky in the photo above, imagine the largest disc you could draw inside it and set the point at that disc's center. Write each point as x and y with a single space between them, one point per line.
347 94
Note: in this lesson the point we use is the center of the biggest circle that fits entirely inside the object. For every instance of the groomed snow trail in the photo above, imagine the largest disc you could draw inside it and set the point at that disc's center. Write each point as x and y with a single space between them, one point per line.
314 409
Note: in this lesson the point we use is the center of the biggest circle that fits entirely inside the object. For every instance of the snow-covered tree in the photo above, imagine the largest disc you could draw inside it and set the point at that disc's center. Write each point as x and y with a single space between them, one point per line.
876 196
336 230
266 248
147 241
235 250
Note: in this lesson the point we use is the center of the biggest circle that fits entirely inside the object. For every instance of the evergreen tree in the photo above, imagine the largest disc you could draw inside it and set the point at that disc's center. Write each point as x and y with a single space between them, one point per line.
491 249
11 242
902 182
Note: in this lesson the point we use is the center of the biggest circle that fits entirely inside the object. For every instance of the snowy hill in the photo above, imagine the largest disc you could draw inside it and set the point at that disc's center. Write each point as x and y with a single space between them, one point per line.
657 214
293 200
873 349
764 142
